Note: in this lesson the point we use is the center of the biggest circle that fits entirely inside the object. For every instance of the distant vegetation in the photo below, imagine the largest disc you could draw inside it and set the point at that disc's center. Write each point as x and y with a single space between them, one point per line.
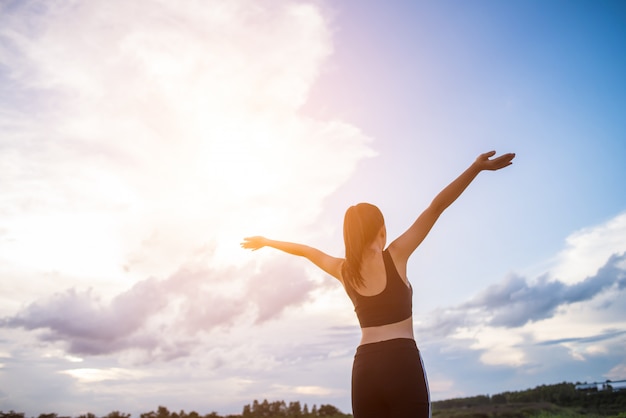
545 401
559 400
265 409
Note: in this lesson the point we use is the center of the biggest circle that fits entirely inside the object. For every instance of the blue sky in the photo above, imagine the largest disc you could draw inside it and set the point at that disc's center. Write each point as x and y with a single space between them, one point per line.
452 79
139 142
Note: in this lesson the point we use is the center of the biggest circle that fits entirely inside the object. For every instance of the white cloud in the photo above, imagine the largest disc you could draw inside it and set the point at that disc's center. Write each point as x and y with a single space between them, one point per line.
140 142
499 346
519 324
587 250
165 132
617 373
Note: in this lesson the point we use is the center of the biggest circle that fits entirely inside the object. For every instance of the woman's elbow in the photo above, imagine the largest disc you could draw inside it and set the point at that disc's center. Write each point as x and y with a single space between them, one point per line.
437 206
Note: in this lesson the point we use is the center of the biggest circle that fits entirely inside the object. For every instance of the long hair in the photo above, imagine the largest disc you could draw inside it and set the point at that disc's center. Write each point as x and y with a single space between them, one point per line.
361 223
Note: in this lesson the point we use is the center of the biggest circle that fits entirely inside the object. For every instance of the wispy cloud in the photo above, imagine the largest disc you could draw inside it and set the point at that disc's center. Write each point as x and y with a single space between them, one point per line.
609 334
179 307
517 301
535 329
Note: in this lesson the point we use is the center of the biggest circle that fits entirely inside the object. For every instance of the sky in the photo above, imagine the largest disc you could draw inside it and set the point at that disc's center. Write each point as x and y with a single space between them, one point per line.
141 141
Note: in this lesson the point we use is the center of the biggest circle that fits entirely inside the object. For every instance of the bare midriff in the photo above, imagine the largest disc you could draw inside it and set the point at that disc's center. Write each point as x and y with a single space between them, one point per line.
402 329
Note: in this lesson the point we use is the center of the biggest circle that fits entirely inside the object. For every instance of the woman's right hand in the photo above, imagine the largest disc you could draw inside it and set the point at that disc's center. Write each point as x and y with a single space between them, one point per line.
254 243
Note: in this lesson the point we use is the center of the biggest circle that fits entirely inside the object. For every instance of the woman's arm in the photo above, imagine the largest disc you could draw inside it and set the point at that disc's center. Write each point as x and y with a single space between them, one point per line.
406 243
329 264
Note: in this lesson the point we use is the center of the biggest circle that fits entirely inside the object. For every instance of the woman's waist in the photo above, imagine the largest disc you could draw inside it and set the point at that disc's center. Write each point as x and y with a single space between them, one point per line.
402 329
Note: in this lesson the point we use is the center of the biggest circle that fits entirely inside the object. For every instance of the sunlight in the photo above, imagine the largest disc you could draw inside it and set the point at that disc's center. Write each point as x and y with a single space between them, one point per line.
87 375
313 390
245 167
83 245
241 158
307 390
188 140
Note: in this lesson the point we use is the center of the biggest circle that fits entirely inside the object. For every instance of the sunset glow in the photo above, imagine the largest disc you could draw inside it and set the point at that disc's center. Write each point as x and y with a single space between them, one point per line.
141 141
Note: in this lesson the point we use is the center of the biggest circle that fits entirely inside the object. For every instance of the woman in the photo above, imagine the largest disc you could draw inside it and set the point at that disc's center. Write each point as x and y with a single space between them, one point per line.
388 379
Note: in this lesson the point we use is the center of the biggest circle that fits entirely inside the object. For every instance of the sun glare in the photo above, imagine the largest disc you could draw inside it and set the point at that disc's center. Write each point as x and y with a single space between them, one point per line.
247 162
81 245
87 375
240 160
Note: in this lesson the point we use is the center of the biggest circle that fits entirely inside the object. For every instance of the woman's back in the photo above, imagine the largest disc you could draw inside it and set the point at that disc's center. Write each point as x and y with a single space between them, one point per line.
383 301
373 274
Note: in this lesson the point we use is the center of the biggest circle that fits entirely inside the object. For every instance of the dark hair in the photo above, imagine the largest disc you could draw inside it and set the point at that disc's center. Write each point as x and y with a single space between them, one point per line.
360 225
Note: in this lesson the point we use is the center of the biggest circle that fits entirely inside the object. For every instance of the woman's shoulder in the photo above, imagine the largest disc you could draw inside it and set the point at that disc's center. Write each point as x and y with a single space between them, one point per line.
398 258
393 250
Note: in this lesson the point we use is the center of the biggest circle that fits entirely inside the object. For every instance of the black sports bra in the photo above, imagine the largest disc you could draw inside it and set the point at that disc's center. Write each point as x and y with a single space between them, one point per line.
393 304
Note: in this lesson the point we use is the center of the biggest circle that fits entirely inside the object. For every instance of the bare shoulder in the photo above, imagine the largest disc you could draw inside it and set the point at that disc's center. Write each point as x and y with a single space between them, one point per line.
399 258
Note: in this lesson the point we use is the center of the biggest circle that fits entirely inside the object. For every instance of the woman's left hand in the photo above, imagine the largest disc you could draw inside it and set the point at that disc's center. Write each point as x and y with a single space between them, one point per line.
484 163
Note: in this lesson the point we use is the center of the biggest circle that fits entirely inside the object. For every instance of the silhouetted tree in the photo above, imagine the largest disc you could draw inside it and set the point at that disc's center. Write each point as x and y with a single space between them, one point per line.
11 414
162 412
117 414
328 411
294 410
247 411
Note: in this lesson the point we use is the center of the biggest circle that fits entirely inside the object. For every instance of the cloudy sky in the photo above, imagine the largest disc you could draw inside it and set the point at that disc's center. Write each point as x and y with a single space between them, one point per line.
141 141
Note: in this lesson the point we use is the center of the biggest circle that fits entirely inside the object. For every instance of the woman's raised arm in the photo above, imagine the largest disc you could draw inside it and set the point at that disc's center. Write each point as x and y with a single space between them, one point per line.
406 243
331 265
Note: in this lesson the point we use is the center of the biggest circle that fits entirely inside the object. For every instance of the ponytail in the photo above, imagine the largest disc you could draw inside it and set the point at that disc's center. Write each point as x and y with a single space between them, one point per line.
360 225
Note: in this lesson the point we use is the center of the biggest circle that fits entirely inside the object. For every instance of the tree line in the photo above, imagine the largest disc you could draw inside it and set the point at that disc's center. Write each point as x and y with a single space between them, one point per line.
606 402
263 409
291 410
564 394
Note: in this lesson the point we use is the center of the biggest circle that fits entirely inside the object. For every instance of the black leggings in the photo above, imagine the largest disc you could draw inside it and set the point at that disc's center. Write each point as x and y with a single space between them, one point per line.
388 380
